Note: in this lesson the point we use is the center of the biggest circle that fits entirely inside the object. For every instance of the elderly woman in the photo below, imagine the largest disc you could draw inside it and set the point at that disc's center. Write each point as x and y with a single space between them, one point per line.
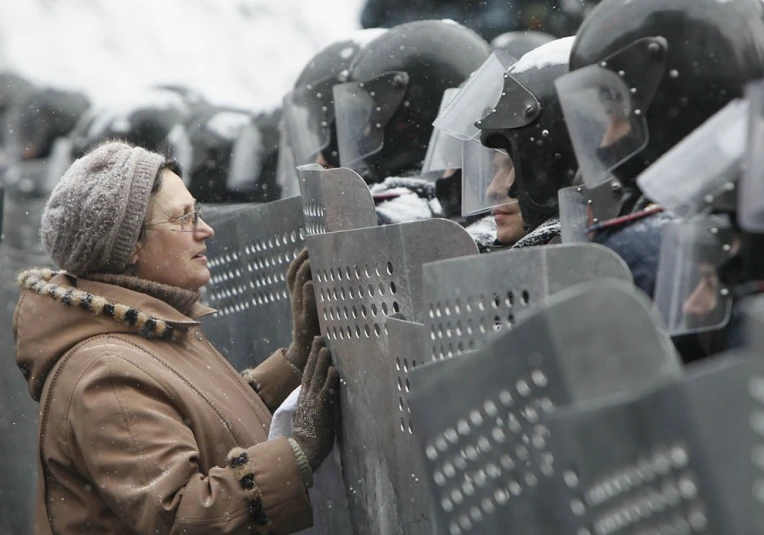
144 427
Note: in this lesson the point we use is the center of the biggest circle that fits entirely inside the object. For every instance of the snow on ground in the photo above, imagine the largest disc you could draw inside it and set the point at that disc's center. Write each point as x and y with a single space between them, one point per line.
238 52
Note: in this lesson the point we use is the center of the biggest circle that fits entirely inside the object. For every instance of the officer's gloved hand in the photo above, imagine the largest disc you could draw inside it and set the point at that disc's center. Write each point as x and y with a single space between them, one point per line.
304 312
317 405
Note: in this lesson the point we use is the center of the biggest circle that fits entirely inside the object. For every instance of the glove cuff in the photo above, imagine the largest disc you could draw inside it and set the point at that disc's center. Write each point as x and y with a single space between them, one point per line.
291 358
302 463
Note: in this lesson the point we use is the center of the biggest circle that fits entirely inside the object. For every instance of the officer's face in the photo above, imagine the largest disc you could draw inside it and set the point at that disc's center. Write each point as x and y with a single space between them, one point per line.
618 127
506 211
320 160
704 298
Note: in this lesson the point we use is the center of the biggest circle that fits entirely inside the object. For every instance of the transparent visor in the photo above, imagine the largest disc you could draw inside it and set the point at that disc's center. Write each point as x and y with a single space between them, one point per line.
286 170
689 292
181 149
476 99
362 111
751 190
574 216
444 151
605 106
245 164
605 128
309 115
487 175
704 167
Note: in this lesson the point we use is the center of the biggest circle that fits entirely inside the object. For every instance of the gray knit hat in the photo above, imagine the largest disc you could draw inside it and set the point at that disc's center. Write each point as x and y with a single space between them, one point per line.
94 216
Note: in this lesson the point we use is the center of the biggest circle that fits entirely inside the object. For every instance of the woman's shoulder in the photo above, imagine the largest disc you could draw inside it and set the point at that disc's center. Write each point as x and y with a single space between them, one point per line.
104 358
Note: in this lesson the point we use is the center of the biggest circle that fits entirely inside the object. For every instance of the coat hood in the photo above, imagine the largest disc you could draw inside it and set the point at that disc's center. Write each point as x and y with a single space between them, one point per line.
56 311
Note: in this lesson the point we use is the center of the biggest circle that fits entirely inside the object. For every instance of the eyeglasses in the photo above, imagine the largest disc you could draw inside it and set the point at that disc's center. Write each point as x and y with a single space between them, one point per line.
188 222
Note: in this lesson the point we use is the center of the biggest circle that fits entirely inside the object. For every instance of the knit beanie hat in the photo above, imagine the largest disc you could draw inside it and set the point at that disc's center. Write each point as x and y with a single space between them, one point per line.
94 215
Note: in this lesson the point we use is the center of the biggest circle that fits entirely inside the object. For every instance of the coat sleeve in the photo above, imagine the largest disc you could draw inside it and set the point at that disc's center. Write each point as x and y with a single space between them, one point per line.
273 380
142 456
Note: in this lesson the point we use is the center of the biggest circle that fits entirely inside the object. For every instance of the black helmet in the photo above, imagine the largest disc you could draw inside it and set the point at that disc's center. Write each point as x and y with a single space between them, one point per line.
517 44
40 117
221 136
145 118
12 87
393 91
309 107
203 145
527 123
645 74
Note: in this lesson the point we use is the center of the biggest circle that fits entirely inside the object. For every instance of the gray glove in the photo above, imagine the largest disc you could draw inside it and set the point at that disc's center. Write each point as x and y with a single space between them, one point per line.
317 405
304 312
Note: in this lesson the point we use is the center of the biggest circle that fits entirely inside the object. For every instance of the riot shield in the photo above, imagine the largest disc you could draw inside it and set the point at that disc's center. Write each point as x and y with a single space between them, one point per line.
249 257
687 457
469 300
480 418
335 199
361 277
573 215
753 321
406 350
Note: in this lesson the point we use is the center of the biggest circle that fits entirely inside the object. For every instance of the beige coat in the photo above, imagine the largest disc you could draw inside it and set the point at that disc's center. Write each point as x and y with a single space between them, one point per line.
144 426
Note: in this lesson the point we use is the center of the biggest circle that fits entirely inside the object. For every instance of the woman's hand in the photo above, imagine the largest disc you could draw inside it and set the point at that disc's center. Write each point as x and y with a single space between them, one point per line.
317 405
304 312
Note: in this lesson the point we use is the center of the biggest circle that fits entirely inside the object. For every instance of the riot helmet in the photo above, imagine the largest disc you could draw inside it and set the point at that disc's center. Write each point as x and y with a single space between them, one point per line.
517 44
254 158
40 117
36 144
210 134
513 106
646 74
12 87
393 91
309 107
145 118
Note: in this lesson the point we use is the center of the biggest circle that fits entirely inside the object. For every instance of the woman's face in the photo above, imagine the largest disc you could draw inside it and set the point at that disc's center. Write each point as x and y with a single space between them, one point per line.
506 211
166 255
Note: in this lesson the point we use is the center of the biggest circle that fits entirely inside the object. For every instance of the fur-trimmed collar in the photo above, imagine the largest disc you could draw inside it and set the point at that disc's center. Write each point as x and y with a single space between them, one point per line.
148 326
178 298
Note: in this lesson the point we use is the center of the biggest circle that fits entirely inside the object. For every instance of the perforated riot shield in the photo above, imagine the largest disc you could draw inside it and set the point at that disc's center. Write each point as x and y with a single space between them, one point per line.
406 352
573 215
249 257
335 199
361 277
684 458
480 418
469 300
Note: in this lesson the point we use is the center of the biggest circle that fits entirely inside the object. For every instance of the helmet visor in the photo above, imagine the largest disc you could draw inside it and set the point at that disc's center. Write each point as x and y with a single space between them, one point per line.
246 165
444 151
487 175
309 115
689 293
362 111
696 174
751 191
286 171
476 99
605 104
